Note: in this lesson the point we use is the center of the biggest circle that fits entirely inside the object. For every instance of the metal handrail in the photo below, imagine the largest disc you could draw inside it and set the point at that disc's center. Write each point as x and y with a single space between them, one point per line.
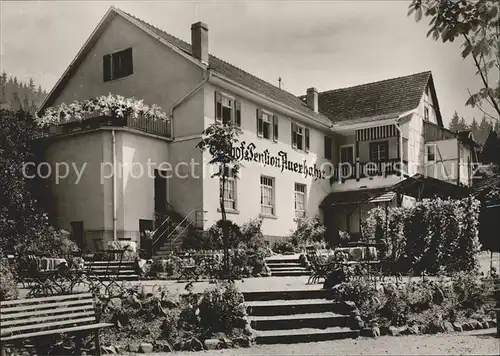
185 228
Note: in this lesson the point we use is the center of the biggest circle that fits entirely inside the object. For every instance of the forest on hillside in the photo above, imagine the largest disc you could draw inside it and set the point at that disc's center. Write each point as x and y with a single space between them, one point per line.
480 130
16 94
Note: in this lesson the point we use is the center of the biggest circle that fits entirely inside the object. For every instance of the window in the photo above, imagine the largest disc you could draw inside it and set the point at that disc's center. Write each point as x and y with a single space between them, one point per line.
430 153
267 125
328 147
230 192
227 110
300 137
426 113
267 205
300 200
379 151
117 65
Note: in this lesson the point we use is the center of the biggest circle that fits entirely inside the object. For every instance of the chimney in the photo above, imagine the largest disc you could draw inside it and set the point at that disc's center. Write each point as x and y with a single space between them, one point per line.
312 98
199 41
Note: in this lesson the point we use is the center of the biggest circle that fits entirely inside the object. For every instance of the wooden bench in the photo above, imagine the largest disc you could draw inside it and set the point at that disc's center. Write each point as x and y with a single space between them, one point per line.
33 318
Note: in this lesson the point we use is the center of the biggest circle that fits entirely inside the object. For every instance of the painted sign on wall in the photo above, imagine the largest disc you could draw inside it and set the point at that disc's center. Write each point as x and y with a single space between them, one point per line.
248 152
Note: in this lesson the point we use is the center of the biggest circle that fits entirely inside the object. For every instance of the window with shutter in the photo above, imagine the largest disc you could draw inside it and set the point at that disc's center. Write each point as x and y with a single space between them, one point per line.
300 137
118 65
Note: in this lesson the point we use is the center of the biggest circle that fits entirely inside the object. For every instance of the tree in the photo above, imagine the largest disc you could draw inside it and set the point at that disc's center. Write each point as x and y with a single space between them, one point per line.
474 127
454 122
462 125
483 131
24 225
220 141
476 23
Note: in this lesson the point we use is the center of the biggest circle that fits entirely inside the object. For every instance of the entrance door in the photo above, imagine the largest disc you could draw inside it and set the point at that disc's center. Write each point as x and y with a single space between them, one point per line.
77 233
160 194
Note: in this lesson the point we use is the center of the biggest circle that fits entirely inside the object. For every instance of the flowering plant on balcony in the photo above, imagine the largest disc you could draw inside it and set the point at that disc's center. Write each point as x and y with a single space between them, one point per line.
111 105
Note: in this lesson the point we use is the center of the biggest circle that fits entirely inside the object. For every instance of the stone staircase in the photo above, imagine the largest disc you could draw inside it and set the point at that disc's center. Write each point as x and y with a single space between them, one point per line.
112 269
286 265
297 316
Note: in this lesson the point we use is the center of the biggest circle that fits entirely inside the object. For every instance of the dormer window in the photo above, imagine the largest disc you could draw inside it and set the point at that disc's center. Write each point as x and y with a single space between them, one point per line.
426 113
117 65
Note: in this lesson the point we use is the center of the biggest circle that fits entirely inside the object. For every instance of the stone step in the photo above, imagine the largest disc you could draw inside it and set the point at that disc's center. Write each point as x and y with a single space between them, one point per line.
279 269
282 260
290 273
287 295
287 307
110 263
298 321
303 335
122 271
275 264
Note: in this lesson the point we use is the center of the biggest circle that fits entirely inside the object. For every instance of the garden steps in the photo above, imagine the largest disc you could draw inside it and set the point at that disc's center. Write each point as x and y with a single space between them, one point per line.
286 265
293 316
113 269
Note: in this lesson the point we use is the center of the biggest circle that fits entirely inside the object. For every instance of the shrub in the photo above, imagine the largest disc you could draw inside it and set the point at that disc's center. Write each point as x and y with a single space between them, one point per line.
215 235
283 247
309 230
220 309
363 293
251 233
8 284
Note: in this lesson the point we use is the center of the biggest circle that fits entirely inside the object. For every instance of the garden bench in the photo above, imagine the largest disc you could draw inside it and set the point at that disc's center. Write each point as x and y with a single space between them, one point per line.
73 314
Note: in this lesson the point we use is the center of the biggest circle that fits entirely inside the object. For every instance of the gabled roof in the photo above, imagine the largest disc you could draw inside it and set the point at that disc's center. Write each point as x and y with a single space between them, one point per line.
390 97
219 66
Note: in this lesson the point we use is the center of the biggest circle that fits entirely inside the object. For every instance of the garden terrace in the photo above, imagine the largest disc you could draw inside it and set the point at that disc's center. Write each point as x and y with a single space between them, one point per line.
96 120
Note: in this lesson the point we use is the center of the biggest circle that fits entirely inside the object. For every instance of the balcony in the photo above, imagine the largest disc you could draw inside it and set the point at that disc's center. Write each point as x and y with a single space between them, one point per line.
359 170
96 120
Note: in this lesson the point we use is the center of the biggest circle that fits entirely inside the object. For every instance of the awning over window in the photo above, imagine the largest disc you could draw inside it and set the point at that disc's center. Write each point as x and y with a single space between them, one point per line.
386 197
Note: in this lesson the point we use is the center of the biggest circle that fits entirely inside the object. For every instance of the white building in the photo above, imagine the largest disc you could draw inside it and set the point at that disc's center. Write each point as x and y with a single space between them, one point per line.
291 146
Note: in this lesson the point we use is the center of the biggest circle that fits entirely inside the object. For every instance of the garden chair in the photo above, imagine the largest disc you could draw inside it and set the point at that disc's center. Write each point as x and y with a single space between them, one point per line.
320 267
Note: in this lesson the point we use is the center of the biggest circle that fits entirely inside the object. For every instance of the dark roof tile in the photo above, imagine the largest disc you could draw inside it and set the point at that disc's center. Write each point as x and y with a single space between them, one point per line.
238 75
379 99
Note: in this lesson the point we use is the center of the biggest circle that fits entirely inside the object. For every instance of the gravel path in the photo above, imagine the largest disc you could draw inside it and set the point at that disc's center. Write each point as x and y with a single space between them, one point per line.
477 342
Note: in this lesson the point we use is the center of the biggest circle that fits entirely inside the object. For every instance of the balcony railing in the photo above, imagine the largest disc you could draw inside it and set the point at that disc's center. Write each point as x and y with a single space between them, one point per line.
96 120
358 170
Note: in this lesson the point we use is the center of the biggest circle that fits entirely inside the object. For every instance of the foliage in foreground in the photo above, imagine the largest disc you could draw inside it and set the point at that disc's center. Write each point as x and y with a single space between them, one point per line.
433 235
8 284
24 224
417 302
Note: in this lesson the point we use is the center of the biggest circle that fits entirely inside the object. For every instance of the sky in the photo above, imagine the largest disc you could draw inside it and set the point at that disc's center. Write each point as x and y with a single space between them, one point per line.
323 44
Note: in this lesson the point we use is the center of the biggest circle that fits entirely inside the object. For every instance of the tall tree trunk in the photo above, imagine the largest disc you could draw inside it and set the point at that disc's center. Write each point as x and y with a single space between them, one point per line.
225 232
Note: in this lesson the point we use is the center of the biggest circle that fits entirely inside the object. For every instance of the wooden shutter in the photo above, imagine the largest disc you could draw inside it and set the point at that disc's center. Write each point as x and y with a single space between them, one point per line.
218 106
129 63
328 147
275 127
237 113
106 67
260 129
307 139
294 136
